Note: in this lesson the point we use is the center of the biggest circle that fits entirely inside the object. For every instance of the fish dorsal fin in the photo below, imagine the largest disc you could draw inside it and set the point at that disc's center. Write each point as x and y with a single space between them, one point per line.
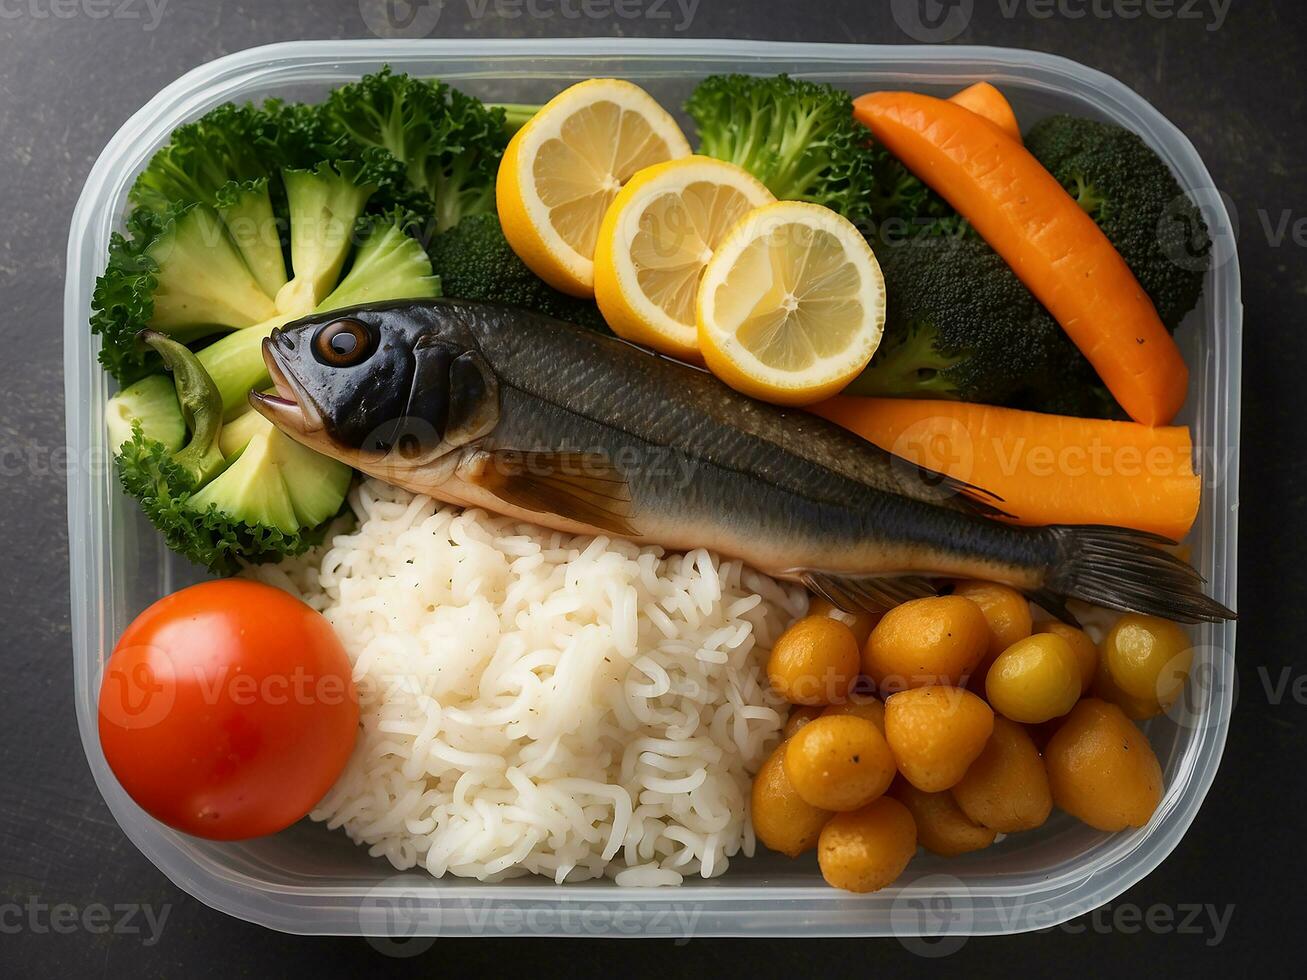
585 487
866 593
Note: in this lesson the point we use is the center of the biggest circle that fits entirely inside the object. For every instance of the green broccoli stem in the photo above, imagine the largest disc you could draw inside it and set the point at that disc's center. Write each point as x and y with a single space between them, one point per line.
790 182
235 363
911 368
1087 196
516 114
201 406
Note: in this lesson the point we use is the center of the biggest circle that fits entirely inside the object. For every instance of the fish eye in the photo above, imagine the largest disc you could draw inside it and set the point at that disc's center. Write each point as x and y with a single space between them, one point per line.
342 343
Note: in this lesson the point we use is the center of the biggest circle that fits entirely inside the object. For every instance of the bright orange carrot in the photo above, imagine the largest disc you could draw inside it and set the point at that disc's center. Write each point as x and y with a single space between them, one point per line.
1049 469
1052 245
985 100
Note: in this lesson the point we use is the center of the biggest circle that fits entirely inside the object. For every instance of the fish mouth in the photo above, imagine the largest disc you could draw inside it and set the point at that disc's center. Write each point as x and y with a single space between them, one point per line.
290 409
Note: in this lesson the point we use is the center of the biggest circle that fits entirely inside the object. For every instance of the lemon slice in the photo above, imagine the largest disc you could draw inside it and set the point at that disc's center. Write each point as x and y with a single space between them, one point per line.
655 241
792 304
564 167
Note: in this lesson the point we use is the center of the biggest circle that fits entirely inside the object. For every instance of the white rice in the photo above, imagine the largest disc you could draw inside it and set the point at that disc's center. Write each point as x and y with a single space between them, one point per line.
537 702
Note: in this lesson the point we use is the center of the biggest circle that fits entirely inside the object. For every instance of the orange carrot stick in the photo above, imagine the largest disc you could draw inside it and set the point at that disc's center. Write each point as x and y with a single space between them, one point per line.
1049 469
1052 245
985 100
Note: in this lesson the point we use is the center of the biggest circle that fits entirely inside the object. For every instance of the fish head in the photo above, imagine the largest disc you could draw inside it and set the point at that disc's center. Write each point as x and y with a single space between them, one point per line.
385 388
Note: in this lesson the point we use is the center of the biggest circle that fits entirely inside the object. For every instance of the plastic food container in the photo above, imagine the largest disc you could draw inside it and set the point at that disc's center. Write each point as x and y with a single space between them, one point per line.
311 880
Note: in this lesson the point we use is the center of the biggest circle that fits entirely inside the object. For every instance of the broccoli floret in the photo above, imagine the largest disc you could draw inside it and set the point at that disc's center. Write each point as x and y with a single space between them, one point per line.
273 481
797 137
201 281
323 206
261 500
959 324
903 207
230 143
475 261
164 490
1133 196
151 404
388 264
178 272
450 143
247 212
184 272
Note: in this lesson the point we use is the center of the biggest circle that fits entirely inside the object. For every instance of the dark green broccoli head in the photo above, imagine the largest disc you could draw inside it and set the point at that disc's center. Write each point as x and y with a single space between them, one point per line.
475 261
902 207
449 143
959 324
1133 196
797 137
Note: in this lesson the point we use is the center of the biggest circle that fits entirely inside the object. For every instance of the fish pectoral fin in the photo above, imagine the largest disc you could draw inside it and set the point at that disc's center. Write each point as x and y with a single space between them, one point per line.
584 487
1051 602
866 593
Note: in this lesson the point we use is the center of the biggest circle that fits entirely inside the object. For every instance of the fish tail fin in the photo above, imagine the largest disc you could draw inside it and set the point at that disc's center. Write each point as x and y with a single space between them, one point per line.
1128 570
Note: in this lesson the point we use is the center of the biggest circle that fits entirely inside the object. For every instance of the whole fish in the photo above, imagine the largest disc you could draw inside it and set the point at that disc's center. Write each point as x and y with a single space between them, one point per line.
488 406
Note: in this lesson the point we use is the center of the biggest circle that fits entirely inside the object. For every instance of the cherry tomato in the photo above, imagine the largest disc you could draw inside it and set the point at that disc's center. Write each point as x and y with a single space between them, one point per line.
227 709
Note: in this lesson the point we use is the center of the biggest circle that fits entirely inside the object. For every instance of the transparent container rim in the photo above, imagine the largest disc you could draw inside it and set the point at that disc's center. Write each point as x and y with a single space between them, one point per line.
784 910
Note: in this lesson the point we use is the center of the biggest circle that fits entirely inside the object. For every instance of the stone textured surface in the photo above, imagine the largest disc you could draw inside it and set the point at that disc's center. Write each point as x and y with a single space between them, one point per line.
71 71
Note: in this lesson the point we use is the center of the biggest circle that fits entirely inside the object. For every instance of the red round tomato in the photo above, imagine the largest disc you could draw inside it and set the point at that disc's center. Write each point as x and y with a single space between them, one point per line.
227 709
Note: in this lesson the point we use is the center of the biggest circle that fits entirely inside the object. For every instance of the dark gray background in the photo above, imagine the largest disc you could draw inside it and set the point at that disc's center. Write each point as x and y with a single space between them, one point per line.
71 71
